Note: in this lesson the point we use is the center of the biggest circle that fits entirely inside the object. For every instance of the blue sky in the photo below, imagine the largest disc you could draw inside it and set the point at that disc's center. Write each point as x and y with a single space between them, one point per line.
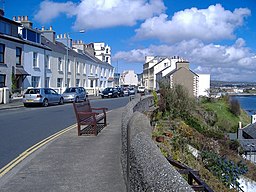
216 37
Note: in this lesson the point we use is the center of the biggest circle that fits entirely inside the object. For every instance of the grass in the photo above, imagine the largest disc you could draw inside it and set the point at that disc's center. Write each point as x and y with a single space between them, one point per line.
225 117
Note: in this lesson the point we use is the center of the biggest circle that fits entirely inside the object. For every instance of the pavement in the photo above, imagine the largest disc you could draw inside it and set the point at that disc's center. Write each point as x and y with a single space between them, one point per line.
71 163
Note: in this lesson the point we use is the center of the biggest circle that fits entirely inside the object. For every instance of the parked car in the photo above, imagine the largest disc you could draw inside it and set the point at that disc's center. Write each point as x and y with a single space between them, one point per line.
43 96
75 94
141 89
120 91
132 91
109 92
126 91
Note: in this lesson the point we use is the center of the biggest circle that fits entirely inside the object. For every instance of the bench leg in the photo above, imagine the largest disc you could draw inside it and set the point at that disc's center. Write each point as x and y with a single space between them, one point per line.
95 129
105 121
78 129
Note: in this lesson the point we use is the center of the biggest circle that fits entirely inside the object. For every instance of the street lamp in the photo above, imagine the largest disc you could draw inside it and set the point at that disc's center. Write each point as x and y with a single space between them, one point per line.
67 47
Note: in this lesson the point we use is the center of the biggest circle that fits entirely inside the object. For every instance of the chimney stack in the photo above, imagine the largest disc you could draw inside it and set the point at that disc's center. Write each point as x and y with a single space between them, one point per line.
240 131
14 18
253 119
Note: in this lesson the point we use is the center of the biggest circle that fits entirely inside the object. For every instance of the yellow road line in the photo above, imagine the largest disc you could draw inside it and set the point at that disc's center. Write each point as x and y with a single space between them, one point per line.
29 151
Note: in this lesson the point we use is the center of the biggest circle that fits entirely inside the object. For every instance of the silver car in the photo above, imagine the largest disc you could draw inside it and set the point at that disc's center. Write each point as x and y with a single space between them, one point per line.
75 94
43 96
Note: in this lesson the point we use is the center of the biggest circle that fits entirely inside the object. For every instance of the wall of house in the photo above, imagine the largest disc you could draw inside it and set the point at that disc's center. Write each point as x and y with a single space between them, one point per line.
186 78
38 71
9 60
203 84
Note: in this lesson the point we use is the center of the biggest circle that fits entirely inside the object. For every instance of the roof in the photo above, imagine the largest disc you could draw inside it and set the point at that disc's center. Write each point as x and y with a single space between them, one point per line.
250 130
175 70
61 48
248 145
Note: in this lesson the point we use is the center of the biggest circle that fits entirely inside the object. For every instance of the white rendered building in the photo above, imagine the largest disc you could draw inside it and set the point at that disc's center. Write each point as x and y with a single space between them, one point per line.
129 78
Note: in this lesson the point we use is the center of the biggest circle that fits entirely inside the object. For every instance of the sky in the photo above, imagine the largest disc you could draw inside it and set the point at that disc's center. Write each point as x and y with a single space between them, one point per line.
216 37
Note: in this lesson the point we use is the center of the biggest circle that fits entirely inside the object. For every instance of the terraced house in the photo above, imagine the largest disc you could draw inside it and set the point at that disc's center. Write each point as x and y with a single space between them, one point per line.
176 70
36 58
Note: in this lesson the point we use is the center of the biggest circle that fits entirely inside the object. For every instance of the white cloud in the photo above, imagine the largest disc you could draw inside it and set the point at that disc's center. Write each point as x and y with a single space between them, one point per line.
222 62
213 23
101 13
50 10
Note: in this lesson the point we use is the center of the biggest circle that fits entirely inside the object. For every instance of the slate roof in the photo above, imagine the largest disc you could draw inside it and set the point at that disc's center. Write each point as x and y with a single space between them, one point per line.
175 70
249 145
250 131
61 48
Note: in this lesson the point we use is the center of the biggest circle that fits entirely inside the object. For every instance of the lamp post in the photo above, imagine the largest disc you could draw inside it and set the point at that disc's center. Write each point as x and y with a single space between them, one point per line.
67 51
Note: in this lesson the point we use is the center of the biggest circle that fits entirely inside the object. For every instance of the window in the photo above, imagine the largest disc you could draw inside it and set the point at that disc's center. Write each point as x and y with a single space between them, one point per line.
69 66
2 50
106 50
31 35
2 81
77 82
18 55
5 28
35 81
35 59
59 82
91 83
59 64
47 62
91 69
107 59
84 68
77 67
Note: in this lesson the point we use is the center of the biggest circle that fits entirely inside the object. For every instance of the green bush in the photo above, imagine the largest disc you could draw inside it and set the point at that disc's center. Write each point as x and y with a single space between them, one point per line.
195 123
226 170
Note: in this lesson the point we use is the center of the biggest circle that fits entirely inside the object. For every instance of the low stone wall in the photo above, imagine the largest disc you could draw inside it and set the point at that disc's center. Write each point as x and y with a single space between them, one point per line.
144 167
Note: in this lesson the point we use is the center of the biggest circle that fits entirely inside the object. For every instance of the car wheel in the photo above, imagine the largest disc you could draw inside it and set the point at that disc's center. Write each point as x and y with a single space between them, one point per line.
102 97
76 100
61 102
45 103
26 105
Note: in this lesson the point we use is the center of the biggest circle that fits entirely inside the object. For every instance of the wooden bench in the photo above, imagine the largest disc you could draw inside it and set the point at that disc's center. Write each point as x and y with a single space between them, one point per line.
90 118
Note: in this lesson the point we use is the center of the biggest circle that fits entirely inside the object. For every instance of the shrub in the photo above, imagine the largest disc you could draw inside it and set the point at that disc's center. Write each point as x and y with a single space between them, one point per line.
227 171
234 106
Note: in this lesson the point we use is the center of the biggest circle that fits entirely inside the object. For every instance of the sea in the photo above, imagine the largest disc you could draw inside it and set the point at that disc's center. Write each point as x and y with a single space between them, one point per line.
247 103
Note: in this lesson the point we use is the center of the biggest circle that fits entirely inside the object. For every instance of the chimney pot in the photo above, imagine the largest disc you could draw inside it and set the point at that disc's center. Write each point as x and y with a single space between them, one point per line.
42 28
50 28
240 125
26 18
14 18
19 18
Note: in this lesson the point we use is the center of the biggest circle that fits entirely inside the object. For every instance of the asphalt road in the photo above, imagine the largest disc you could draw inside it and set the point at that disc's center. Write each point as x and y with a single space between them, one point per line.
23 127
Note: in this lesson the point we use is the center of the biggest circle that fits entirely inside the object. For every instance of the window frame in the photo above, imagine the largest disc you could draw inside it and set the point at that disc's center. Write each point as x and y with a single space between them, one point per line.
35 59
59 82
35 81
2 53
2 80
18 56
60 64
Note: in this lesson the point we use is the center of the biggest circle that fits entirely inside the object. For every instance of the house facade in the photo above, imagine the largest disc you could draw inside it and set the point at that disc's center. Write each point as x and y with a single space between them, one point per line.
176 71
155 65
35 58
129 78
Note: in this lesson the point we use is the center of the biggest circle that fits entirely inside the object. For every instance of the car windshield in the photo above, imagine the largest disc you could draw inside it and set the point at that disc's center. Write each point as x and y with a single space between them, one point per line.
70 90
108 89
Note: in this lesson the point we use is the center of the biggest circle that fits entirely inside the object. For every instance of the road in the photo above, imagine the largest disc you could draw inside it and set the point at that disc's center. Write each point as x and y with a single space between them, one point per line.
24 127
